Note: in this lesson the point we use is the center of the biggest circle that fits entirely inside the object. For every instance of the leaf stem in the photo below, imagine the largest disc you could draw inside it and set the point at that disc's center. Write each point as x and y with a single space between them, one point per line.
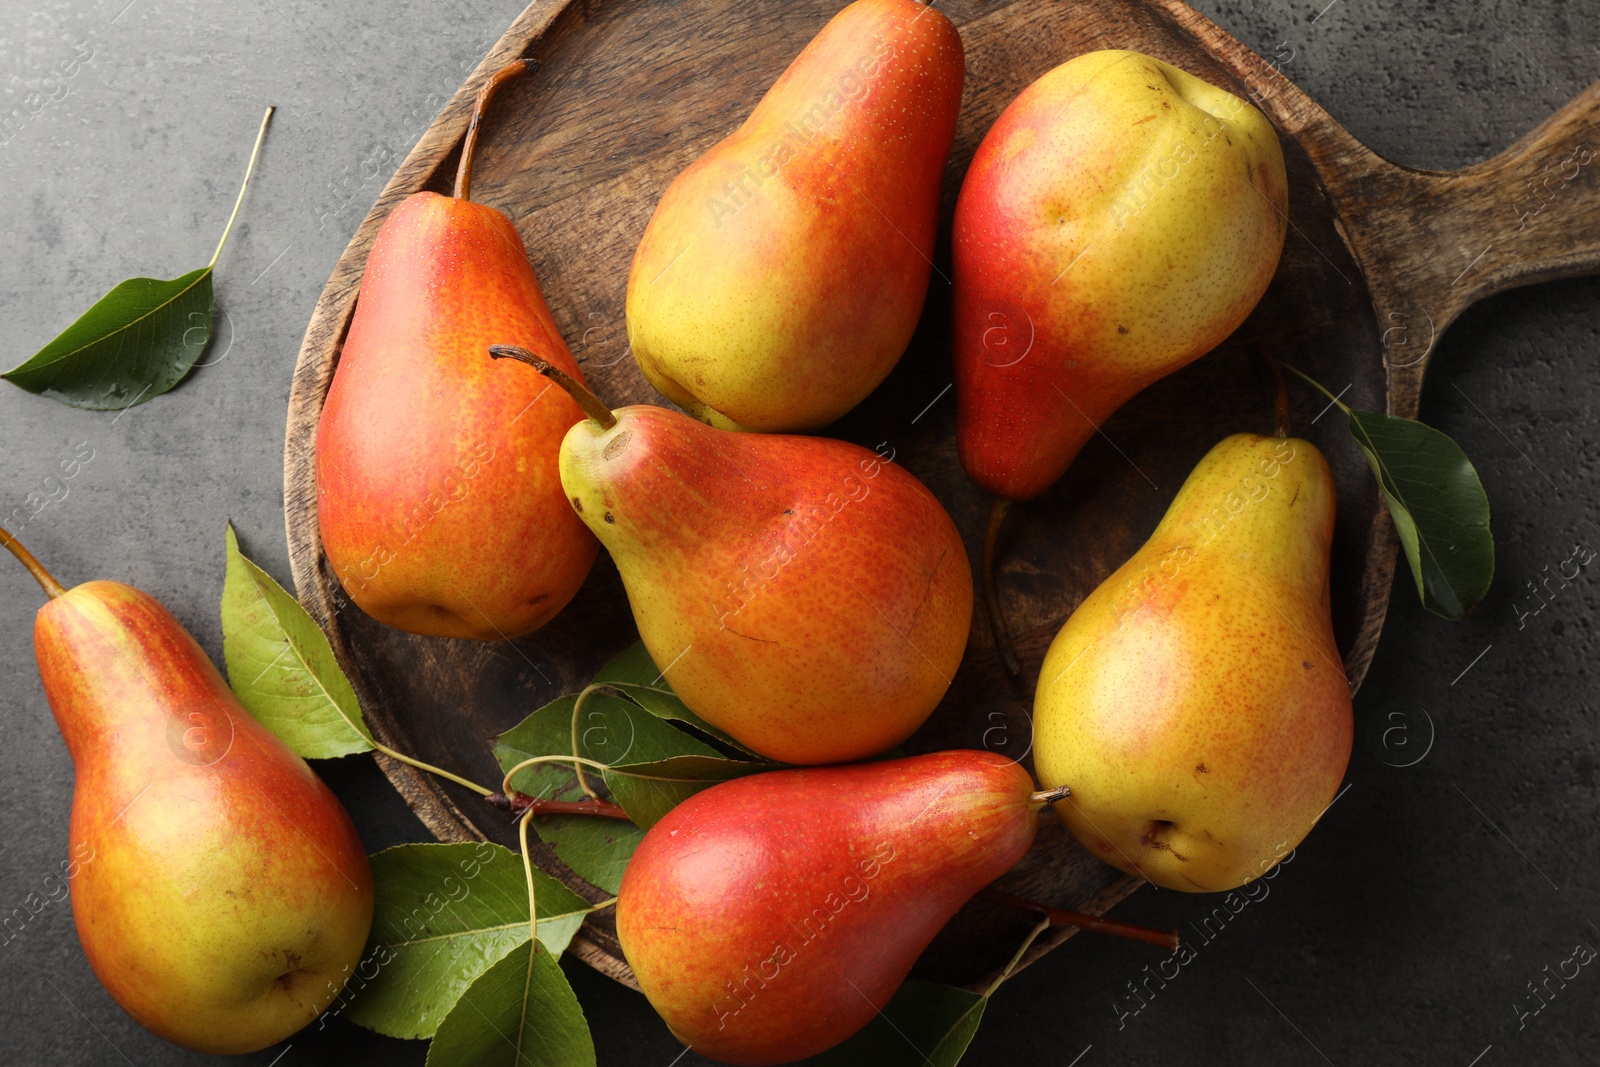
430 768
587 762
577 707
1303 376
1027 942
1094 923
249 170
517 803
51 587
527 870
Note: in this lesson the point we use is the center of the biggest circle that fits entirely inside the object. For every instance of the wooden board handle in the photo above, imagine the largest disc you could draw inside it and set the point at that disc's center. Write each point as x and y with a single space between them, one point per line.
1431 243
1536 206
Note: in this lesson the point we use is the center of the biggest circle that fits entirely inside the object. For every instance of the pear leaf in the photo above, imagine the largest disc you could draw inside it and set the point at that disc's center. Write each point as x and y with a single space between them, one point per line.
925 1024
136 342
521 1012
648 758
634 673
655 767
647 791
282 668
596 850
1438 505
445 914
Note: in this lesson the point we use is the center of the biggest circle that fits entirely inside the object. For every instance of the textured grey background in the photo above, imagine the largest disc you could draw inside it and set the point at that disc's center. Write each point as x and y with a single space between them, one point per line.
1405 931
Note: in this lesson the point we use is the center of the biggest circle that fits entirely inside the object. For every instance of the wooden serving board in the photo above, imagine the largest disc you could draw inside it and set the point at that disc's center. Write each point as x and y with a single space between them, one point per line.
1379 260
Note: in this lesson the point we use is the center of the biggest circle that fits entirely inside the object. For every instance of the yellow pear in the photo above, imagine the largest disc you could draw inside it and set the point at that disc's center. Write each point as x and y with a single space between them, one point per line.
1195 702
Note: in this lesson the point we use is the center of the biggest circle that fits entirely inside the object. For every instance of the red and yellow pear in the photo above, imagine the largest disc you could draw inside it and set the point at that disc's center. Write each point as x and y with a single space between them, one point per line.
220 891
1196 702
782 274
438 499
1120 219
806 595
769 917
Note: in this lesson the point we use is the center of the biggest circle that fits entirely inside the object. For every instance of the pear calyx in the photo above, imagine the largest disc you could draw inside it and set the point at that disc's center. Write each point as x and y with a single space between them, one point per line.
469 144
45 579
592 405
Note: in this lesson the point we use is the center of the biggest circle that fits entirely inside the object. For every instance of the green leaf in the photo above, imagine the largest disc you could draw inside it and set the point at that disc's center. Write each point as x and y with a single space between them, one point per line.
647 791
596 850
139 340
136 342
634 673
444 915
519 1013
616 732
282 668
623 736
1439 508
925 1025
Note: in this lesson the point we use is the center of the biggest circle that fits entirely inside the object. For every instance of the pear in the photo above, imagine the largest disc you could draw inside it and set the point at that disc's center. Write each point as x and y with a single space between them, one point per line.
769 917
438 499
221 895
782 274
1120 219
806 595
1195 702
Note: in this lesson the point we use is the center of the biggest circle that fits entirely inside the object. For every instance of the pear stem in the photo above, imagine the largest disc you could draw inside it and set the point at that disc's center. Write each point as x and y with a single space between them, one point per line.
52 587
591 404
248 171
527 870
519 803
469 144
998 625
1050 796
1061 917
1280 396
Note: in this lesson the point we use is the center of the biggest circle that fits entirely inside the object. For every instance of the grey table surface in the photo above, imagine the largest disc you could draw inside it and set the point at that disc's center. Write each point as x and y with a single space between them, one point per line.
1408 929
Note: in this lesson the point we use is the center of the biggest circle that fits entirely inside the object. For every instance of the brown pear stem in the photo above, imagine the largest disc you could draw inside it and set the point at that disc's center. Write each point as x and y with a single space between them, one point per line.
1061 917
519 804
1280 398
1050 796
469 145
35 568
998 625
591 404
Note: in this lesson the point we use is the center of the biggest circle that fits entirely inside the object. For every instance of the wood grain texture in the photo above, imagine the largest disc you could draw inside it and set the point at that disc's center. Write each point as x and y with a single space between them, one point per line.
1378 261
